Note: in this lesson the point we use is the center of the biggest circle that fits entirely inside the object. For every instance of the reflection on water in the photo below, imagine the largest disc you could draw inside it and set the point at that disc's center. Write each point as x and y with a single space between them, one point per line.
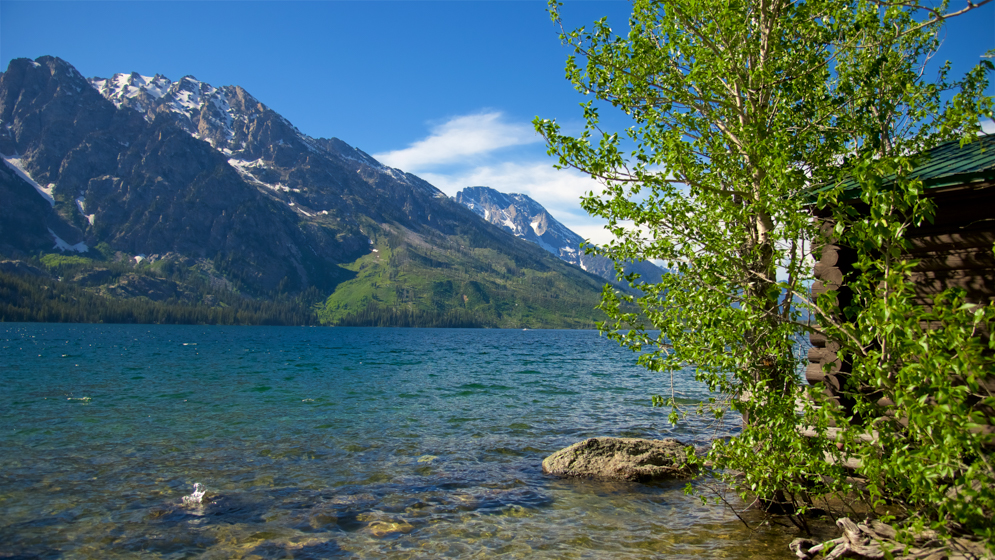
222 442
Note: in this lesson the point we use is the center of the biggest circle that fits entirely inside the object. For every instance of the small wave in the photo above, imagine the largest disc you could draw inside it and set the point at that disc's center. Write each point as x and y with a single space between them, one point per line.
472 386
196 498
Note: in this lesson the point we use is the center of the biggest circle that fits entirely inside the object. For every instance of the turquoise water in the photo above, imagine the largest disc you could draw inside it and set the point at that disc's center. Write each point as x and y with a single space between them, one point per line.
334 443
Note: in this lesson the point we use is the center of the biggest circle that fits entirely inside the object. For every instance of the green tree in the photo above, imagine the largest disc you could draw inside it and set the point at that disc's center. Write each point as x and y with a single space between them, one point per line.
740 112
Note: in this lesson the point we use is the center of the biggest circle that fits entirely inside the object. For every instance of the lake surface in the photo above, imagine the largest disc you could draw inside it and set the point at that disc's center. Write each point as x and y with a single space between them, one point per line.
335 443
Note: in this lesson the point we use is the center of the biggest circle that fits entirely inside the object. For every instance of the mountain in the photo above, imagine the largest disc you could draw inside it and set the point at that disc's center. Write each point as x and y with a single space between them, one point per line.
527 219
208 189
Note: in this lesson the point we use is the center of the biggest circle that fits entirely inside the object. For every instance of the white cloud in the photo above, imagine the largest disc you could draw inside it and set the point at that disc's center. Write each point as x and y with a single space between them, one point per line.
592 232
988 126
548 186
460 138
459 154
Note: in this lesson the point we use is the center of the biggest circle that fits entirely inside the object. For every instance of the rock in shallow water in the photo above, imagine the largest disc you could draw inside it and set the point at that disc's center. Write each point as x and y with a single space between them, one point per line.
629 459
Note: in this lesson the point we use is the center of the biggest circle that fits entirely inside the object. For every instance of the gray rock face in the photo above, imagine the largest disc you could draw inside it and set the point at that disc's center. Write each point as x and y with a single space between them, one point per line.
95 277
525 218
156 289
629 459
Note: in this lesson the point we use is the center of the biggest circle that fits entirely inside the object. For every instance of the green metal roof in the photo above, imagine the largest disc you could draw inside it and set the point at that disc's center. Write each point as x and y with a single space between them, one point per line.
945 165
949 164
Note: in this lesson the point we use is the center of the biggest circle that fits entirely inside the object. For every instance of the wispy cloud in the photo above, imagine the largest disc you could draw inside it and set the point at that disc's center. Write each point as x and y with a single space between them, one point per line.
459 138
539 180
466 151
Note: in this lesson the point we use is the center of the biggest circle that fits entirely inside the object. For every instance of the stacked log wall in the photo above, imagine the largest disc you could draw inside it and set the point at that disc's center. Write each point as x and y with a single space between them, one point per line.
955 250
825 368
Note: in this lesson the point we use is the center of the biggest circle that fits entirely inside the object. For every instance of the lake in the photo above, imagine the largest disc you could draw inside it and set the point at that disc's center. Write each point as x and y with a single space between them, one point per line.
336 443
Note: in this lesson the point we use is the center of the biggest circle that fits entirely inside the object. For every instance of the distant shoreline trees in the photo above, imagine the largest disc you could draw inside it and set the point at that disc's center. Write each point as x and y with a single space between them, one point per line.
24 299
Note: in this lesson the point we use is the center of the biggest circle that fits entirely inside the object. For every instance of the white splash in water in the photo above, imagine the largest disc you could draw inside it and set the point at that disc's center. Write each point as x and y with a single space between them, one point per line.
197 497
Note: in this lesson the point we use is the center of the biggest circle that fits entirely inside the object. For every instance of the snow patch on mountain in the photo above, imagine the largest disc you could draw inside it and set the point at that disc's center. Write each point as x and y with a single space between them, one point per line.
226 117
510 224
302 211
244 169
188 97
15 164
62 245
542 243
81 204
122 87
243 165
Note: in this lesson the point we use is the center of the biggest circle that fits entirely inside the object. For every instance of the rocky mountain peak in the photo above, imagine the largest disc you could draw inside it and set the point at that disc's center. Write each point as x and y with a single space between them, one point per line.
58 66
260 143
529 220
524 218
198 107
52 74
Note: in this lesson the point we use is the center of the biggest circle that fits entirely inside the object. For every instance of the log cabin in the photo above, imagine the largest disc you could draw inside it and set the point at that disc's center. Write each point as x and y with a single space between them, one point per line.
954 250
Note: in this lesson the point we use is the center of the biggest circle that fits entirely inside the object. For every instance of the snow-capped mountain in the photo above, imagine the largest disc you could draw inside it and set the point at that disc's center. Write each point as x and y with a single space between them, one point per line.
256 139
524 218
152 166
223 117
527 219
145 168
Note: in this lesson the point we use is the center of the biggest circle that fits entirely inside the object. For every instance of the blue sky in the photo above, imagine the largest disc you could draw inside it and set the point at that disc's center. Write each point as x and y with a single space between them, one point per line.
443 89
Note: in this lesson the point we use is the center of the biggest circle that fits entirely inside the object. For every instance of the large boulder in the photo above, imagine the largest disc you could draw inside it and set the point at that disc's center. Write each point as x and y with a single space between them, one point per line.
629 459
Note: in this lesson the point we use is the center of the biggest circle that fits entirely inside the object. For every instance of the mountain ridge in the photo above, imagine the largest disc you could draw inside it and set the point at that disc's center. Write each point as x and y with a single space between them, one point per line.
529 220
186 172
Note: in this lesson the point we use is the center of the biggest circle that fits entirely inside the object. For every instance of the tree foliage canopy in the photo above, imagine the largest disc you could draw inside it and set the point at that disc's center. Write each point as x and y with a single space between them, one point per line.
746 115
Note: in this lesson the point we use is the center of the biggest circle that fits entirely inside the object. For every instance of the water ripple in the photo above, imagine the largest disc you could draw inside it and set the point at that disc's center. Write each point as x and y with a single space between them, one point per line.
333 443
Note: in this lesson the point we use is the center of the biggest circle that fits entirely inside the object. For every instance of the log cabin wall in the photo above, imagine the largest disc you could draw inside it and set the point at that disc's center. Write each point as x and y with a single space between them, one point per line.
955 250
825 368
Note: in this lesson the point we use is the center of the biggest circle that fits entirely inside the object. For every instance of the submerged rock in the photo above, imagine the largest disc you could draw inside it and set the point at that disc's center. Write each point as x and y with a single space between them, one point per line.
384 528
629 459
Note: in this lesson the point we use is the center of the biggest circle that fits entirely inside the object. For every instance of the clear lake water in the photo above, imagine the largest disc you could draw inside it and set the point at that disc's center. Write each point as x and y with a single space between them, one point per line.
336 443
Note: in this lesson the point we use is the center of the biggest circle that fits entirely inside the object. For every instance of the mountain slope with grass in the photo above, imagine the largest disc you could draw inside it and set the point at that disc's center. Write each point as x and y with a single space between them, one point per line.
208 189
